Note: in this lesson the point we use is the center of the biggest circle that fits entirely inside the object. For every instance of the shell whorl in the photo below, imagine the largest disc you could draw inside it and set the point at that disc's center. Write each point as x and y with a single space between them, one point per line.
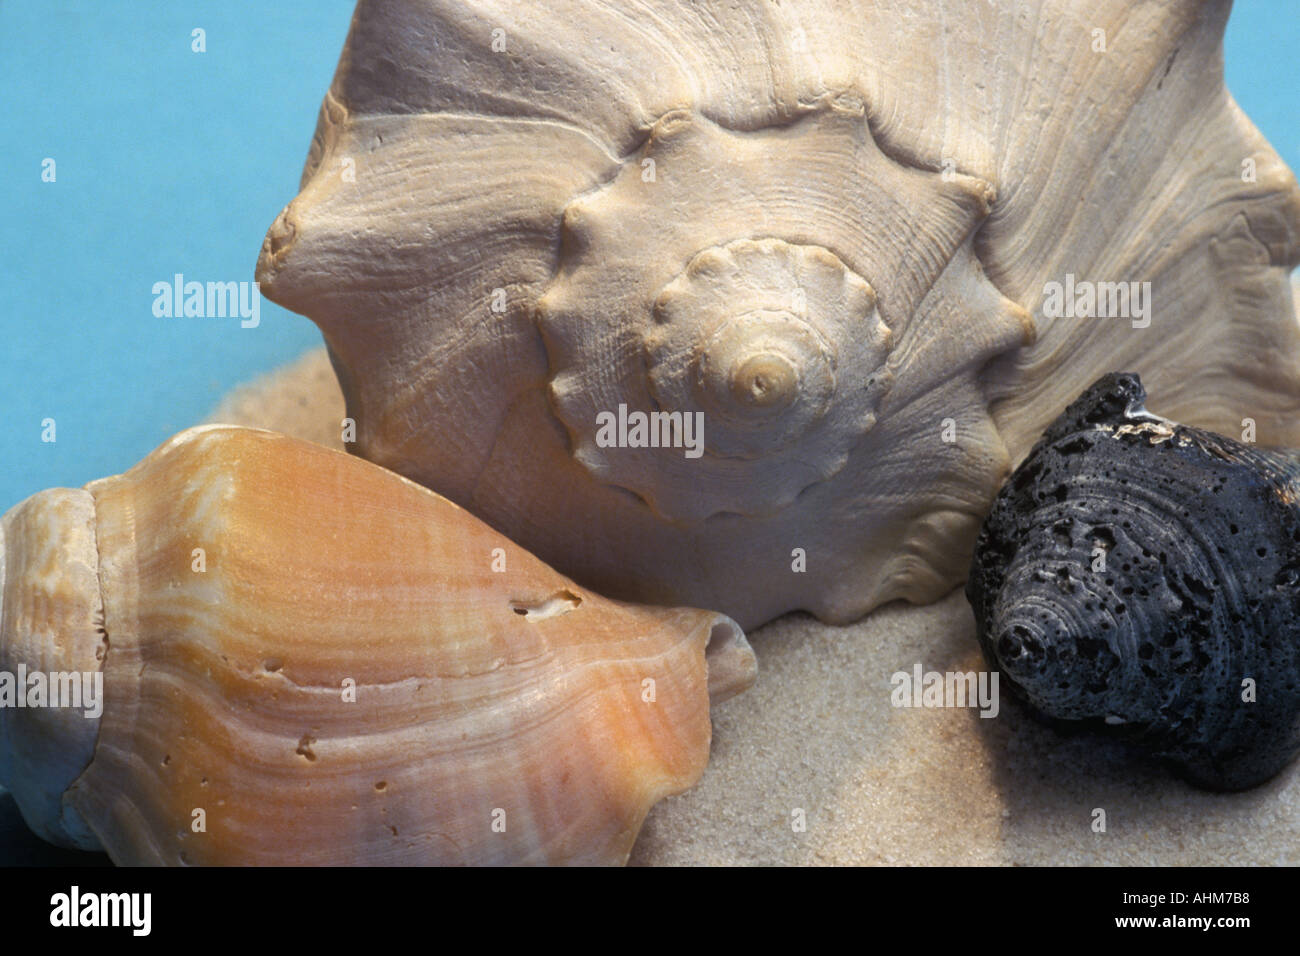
760 339
1136 573
747 313
761 335
51 624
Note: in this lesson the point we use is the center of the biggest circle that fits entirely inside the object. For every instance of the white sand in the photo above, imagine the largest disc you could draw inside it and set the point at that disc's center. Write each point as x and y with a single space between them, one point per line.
879 784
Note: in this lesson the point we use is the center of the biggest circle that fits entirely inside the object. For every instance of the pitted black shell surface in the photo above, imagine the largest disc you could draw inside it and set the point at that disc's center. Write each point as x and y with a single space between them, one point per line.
1138 575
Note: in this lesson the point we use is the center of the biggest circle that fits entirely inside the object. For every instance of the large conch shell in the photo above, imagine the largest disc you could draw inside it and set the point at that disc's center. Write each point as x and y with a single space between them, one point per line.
824 230
321 662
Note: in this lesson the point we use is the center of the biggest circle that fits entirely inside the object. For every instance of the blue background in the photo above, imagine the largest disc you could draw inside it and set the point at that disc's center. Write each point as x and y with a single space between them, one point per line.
172 161
167 161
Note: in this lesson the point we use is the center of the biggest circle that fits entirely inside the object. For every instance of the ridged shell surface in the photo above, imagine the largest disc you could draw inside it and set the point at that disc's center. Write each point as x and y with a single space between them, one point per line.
1142 578
828 227
313 661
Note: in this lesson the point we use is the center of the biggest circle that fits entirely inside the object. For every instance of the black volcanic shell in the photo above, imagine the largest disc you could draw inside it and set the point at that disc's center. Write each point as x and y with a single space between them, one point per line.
1138 575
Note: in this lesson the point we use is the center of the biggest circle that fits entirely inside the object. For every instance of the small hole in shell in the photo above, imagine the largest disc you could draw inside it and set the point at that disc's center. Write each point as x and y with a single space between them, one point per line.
561 602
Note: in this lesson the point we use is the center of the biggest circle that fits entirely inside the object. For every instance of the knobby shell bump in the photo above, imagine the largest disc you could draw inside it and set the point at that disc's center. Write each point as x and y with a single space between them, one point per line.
309 660
1142 577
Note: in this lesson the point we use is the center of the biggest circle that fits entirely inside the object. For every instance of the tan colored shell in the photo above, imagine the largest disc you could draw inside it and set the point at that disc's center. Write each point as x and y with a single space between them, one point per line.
510 206
353 670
